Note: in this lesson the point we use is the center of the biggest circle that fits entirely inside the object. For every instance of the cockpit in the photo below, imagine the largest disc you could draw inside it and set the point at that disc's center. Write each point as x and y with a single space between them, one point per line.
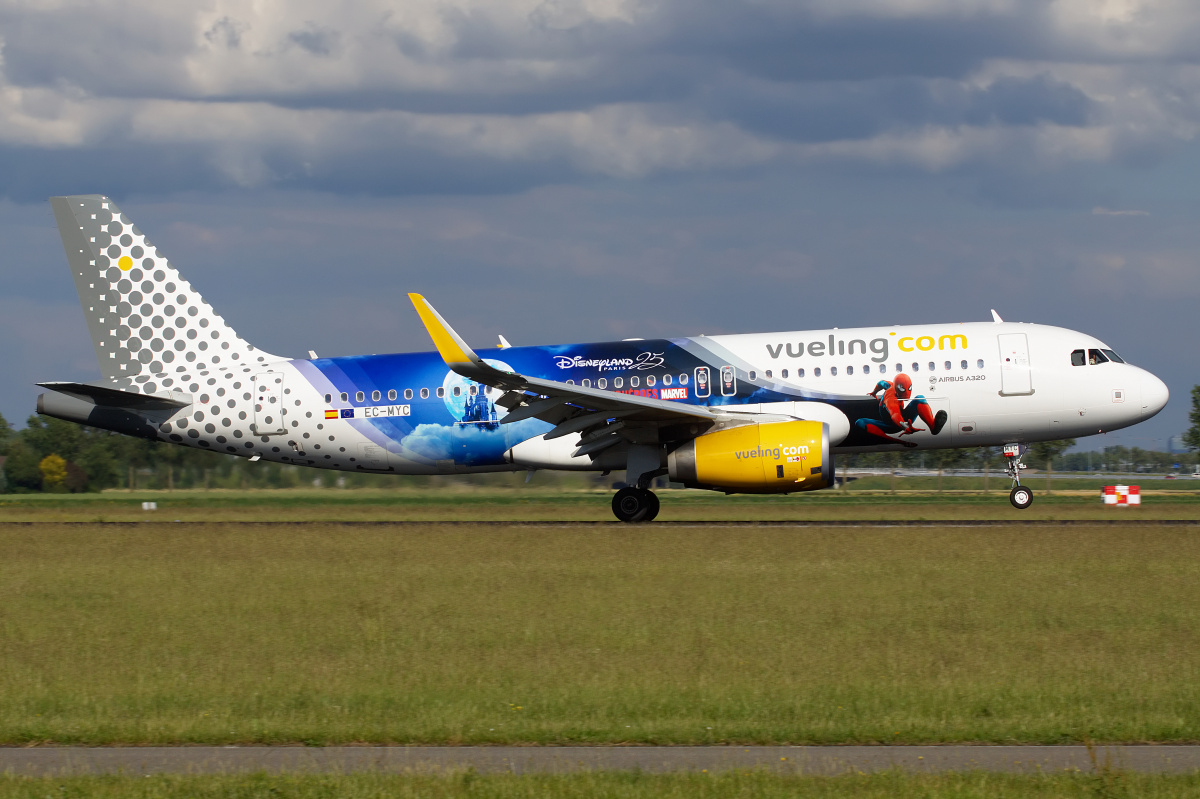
1093 357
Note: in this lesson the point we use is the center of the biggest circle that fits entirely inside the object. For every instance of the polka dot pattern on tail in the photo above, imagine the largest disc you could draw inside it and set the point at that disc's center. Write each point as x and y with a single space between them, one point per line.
136 303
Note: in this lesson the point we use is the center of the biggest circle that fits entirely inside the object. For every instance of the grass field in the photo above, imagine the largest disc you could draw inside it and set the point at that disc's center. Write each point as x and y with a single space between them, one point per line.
1114 785
323 633
918 500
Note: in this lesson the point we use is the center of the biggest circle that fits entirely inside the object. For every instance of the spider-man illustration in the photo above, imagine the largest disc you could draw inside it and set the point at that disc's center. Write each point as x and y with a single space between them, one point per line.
896 417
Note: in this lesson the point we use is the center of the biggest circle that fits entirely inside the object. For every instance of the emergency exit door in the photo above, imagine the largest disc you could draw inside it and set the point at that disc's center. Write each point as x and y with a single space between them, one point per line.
1016 378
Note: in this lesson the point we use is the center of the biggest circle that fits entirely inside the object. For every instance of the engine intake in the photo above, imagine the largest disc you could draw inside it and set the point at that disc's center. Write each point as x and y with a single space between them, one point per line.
766 458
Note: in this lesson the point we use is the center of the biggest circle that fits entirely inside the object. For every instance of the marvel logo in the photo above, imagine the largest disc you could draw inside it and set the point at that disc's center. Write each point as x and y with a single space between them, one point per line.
672 393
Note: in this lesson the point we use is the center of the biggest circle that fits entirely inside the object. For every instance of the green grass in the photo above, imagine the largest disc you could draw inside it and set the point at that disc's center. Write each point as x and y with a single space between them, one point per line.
450 502
468 785
161 633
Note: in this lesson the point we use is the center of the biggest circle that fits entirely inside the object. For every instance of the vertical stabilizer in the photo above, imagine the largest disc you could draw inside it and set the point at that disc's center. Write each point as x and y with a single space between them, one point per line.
145 320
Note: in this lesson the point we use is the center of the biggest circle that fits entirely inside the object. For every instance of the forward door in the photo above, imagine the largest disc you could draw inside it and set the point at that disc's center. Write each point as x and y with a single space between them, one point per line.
1016 378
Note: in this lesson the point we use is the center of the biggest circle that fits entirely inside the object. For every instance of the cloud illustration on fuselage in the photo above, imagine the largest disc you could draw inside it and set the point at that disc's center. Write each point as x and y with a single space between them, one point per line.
468 443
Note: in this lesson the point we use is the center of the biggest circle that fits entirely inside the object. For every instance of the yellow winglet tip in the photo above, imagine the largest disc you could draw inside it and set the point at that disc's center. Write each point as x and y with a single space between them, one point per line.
448 343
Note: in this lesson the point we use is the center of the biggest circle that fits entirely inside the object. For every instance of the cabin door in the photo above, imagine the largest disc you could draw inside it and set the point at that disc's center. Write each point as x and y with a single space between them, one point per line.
1016 378
268 404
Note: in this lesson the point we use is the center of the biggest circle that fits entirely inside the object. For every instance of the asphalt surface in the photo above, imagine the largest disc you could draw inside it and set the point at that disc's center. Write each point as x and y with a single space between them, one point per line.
819 760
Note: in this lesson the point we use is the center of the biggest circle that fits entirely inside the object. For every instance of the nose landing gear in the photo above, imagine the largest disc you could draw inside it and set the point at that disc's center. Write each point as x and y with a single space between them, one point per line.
1020 496
635 504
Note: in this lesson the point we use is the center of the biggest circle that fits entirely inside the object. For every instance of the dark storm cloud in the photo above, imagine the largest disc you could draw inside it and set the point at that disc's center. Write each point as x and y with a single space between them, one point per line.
832 111
491 97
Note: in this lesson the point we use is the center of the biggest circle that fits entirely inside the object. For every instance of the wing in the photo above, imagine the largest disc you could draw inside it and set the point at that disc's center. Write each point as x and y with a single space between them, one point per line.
602 417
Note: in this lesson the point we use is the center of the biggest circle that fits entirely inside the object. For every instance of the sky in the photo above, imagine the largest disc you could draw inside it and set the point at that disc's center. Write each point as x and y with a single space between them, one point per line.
579 170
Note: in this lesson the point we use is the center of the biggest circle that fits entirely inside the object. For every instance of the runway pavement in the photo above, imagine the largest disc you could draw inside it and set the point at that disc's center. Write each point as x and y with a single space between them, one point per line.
820 760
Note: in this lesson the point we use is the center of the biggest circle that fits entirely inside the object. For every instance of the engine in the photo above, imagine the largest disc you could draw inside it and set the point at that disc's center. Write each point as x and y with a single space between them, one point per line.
766 458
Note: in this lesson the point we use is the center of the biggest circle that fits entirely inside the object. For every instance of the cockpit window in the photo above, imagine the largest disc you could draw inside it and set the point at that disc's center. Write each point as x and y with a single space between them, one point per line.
1112 356
1078 358
1096 356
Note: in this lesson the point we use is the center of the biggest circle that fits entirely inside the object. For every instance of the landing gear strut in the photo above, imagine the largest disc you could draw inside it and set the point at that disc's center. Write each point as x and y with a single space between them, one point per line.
1020 496
635 504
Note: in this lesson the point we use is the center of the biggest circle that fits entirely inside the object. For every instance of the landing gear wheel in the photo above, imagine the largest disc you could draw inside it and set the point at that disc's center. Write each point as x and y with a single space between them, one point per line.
653 506
1021 497
635 505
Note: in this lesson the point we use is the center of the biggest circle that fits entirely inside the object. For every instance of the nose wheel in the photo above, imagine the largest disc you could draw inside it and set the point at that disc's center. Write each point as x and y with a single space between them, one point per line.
1020 496
635 505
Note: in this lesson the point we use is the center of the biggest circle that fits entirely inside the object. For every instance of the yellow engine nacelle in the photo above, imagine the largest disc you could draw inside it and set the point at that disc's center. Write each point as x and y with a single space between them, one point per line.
767 458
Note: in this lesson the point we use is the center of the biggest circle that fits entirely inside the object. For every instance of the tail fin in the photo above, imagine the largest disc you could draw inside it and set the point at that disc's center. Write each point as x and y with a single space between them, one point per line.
145 320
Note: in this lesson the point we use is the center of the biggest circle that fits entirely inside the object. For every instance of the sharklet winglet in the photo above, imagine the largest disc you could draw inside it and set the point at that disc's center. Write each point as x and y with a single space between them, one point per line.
457 354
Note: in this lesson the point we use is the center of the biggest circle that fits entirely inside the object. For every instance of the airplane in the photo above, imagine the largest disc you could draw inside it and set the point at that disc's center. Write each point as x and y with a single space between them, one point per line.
749 413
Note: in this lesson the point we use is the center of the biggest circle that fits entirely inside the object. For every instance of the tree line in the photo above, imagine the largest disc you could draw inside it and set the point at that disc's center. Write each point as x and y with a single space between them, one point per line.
55 456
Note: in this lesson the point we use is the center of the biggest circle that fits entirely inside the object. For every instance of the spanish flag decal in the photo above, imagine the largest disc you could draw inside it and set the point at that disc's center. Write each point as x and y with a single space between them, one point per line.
331 414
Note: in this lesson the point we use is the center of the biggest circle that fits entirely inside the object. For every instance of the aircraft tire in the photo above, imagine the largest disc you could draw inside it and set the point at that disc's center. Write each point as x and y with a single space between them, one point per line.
653 506
632 504
1021 497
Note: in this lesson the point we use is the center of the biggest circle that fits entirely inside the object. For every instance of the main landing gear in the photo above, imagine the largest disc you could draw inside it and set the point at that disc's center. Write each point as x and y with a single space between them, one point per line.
1020 496
635 504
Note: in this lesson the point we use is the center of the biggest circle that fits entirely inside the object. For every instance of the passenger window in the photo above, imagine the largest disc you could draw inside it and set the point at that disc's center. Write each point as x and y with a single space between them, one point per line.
849 370
932 366
867 369
391 393
424 393
767 373
753 375
667 379
948 366
441 392
570 382
618 382
375 395
649 380
408 393
817 372
1095 357
799 373
359 397
586 383
474 389
328 398
964 364
833 371
916 367
1112 356
899 367
345 397
634 381
783 374
1078 358
683 380
457 390
979 363
602 383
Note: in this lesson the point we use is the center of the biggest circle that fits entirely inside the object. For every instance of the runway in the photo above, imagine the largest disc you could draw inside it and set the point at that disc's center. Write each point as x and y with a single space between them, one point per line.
814 760
1123 522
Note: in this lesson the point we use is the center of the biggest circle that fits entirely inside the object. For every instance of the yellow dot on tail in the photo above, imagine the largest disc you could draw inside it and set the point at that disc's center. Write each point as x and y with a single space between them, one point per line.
125 263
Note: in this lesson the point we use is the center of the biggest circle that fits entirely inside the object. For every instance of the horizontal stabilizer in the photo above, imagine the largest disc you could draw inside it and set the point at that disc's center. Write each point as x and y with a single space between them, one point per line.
116 398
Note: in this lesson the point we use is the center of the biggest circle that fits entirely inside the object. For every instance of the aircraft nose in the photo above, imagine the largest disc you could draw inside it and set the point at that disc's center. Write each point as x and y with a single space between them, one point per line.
1154 395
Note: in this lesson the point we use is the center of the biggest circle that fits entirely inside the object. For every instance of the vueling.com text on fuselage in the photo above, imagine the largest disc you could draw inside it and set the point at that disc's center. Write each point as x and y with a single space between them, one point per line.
877 347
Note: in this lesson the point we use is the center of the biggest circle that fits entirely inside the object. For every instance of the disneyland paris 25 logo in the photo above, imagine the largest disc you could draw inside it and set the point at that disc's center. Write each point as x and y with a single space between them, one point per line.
646 360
